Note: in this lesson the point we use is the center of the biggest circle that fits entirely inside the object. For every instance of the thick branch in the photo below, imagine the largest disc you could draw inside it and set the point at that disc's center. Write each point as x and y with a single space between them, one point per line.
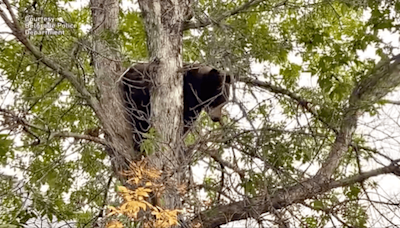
108 68
384 78
372 88
281 198
380 82
164 30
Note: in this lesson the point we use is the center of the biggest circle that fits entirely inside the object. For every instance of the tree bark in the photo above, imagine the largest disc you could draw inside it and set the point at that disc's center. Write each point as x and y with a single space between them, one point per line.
164 27
108 70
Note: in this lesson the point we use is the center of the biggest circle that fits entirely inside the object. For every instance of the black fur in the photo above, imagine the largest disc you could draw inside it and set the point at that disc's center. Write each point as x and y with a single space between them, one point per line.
204 88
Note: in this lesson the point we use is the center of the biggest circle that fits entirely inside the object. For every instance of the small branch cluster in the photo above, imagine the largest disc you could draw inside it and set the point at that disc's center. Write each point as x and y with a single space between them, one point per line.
11 121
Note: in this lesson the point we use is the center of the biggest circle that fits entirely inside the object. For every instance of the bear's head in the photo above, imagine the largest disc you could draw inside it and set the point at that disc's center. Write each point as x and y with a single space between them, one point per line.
213 89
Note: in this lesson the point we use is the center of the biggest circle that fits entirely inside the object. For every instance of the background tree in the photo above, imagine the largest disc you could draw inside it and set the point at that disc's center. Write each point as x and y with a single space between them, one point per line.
285 147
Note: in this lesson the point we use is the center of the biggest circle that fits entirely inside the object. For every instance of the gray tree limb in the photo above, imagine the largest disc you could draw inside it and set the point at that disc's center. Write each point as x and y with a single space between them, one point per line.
382 80
205 21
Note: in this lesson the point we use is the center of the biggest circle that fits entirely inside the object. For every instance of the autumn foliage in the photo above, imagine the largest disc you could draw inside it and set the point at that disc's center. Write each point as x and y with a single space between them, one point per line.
136 201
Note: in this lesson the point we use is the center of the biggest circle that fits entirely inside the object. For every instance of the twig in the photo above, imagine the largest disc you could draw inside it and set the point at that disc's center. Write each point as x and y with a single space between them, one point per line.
207 21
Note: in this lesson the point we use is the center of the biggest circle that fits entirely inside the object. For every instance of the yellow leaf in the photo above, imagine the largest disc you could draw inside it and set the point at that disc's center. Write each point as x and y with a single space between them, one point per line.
157 214
153 174
131 208
142 205
142 192
166 218
134 180
114 224
113 211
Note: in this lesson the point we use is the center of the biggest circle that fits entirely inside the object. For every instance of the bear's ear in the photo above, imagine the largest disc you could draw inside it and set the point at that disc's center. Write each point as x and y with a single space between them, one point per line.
213 72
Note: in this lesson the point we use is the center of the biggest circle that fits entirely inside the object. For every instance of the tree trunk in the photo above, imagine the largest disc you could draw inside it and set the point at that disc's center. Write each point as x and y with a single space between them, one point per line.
164 27
107 67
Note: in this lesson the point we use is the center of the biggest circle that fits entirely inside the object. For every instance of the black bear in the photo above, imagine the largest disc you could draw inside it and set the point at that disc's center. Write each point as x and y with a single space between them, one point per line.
204 88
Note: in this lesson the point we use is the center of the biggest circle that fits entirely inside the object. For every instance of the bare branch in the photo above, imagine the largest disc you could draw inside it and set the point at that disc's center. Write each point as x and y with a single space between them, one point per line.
14 119
55 84
281 198
207 21
278 90
19 34
392 102
381 81
78 136
214 155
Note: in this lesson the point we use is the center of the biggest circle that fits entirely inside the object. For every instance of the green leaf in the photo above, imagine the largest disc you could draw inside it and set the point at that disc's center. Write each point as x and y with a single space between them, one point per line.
318 205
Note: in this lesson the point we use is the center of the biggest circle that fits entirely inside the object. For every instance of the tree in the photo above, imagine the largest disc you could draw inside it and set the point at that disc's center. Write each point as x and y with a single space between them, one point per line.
315 156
